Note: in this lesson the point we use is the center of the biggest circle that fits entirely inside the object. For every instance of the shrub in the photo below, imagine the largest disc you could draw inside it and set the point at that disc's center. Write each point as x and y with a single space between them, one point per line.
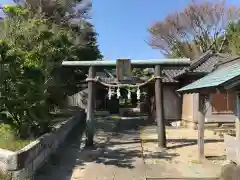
30 51
4 176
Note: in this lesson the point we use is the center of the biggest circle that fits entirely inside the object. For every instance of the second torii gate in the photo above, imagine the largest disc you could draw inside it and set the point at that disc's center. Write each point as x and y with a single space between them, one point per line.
91 80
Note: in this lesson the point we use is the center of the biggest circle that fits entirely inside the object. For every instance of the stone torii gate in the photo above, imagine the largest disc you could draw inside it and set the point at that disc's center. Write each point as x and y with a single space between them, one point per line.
121 69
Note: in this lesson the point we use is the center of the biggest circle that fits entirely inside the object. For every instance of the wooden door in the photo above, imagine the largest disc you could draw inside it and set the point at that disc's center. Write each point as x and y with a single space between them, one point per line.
223 103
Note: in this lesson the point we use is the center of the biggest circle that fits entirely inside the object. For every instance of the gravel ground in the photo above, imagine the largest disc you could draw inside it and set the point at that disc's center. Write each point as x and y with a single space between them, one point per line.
182 150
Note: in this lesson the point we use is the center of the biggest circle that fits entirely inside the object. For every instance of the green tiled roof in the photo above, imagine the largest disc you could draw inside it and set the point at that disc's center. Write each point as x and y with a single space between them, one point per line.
216 78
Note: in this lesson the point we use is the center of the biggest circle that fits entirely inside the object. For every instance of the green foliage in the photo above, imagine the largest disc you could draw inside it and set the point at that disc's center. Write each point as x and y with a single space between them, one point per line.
138 73
4 176
14 11
32 49
23 91
9 141
233 37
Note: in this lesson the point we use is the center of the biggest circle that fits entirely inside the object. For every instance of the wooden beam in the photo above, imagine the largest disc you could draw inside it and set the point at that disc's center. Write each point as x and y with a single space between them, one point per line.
201 120
232 84
90 108
138 63
159 108
205 91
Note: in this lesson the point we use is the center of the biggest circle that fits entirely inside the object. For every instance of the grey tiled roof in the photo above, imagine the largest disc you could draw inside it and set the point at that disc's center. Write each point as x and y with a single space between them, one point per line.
210 63
170 73
207 62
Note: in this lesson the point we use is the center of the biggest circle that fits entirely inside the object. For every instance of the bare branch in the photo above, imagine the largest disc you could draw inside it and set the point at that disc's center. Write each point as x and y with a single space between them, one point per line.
194 30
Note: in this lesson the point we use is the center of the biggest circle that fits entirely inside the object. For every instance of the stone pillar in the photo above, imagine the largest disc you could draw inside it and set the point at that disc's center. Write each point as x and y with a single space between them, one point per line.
159 107
201 120
90 108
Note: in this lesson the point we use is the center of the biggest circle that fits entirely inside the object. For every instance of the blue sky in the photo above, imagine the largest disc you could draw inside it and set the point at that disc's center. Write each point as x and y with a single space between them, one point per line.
122 25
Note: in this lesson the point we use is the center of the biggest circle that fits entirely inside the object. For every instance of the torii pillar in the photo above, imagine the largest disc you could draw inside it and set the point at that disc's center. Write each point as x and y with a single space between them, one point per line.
90 107
159 107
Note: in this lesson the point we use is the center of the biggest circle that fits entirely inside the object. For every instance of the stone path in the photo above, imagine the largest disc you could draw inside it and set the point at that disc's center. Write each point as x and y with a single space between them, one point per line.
72 157
118 155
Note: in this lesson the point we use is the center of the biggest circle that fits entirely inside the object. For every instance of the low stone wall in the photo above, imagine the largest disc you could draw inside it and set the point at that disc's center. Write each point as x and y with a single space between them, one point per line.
232 149
189 124
23 163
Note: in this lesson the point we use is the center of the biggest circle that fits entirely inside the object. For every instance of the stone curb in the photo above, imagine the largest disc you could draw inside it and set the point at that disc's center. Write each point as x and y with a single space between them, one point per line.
23 163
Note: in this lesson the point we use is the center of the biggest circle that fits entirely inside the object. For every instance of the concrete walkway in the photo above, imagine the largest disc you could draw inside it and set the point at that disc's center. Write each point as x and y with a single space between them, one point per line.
72 158
119 155
122 158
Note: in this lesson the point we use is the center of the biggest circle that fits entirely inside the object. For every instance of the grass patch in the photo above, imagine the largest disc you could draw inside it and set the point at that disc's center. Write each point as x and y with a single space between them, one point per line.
115 117
9 141
5 176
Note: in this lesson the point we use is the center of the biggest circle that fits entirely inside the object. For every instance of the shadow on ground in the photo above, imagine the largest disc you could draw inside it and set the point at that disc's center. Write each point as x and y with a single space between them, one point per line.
182 142
70 156
189 142
164 155
121 150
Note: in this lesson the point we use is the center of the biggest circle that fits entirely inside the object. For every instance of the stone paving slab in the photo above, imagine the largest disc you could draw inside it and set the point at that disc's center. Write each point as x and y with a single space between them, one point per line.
72 159
163 170
123 157
96 172
137 173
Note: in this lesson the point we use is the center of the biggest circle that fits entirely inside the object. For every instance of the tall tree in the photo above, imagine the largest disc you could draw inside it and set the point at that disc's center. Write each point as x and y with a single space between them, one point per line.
33 45
196 29
233 37
32 48
72 15
61 11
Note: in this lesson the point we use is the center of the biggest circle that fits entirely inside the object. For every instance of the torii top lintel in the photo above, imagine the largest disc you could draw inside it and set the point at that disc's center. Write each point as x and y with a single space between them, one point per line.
134 63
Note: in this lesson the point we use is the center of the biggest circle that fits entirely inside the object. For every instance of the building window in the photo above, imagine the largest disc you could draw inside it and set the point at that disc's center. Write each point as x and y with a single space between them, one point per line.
223 103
